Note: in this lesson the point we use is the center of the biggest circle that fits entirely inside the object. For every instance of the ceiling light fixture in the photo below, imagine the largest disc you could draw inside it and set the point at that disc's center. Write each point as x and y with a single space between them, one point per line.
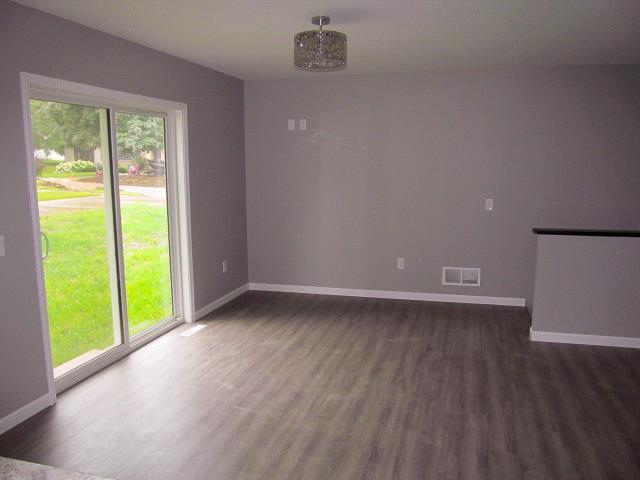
320 50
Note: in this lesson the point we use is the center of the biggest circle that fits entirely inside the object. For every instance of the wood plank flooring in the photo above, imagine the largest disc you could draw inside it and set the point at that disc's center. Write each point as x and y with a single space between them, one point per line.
292 386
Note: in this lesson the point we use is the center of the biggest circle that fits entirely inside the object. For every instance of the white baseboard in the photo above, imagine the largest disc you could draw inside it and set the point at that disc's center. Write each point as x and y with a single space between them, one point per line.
207 309
357 292
29 410
580 339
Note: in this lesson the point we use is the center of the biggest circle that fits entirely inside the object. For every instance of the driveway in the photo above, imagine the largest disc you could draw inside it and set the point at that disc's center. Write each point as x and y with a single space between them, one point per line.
86 203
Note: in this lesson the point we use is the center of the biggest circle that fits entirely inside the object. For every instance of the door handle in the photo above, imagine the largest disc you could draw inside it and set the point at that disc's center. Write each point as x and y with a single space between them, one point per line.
46 242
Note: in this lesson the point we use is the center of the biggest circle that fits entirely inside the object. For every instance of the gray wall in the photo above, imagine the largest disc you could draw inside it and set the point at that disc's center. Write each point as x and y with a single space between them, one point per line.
587 285
36 42
399 166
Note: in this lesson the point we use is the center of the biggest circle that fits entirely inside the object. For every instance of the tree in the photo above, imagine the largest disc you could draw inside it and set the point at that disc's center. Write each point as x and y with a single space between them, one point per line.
57 126
61 126
139 133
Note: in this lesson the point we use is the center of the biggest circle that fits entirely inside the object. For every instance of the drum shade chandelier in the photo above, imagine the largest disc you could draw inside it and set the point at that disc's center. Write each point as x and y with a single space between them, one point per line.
320 50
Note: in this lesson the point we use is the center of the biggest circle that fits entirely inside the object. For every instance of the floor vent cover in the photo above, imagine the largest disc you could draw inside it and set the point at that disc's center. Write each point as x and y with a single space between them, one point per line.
461 276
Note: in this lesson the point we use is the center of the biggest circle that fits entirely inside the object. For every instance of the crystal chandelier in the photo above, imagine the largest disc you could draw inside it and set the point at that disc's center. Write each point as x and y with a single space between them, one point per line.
320 50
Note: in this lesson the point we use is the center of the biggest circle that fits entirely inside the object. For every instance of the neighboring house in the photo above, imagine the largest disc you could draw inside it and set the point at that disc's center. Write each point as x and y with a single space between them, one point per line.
51 155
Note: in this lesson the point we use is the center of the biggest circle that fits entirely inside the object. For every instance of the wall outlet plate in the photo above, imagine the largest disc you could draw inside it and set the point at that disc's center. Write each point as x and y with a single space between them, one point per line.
488 204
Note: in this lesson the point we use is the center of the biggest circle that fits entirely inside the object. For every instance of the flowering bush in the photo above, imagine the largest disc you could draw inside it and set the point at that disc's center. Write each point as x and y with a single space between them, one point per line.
74 167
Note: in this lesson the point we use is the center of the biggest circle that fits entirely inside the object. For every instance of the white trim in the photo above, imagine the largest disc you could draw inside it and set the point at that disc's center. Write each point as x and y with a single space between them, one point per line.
581 339
29 410
35 225
180 208
182 138
65 91
207 309
358 292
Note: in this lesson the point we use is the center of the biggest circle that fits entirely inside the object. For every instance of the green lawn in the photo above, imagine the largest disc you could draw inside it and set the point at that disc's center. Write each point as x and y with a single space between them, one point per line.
59 194
77 277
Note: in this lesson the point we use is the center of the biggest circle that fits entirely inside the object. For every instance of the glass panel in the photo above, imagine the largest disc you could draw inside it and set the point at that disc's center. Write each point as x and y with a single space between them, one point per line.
144 218
70 145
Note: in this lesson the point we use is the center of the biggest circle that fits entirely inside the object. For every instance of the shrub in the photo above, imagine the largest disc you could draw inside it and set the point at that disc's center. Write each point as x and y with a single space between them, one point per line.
75 167
123 168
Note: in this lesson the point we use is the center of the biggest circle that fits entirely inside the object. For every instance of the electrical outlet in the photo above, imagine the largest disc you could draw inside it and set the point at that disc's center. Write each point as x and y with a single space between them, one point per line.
400 263
224 266
488 204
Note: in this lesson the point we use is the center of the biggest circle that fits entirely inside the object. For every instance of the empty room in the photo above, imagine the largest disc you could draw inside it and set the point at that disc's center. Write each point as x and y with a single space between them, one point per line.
302 240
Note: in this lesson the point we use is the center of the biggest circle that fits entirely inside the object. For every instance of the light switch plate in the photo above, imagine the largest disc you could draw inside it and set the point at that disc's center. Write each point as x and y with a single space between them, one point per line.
303 124
292 124
1 245
400 263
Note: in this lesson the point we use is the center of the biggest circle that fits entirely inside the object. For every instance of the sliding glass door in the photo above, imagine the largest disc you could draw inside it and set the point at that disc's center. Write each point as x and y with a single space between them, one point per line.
141 157
101 182
77 231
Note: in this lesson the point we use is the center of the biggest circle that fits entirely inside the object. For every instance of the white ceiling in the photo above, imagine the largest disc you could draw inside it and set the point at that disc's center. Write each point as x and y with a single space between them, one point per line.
254 39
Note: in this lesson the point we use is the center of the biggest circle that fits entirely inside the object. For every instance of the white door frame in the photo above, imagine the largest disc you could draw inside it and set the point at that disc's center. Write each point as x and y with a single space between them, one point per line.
175 113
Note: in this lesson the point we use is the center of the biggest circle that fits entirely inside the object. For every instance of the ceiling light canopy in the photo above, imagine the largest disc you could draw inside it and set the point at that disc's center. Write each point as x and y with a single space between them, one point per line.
320 50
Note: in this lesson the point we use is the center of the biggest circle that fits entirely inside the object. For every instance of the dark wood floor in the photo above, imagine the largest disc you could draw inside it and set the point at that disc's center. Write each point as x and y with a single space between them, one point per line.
286 386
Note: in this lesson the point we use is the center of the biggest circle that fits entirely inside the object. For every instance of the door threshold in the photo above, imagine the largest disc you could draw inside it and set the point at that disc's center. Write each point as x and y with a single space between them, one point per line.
78 361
